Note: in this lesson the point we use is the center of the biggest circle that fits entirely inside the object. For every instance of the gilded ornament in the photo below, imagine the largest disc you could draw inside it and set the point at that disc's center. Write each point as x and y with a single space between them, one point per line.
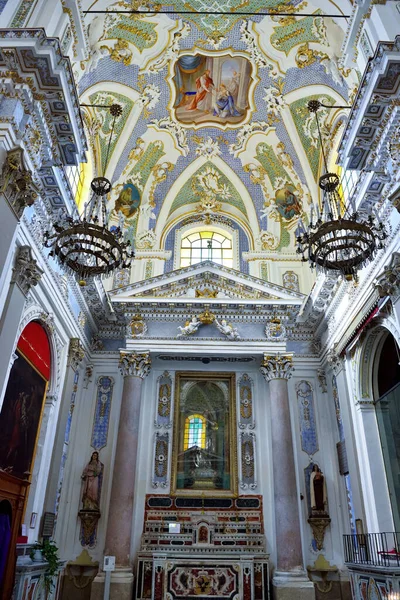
206 317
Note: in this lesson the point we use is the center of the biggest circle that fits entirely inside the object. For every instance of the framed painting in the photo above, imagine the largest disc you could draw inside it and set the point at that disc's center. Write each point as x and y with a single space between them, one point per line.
204 454
20 417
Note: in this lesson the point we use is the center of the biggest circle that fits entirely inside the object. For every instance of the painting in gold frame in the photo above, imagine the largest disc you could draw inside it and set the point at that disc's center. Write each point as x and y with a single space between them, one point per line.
204 455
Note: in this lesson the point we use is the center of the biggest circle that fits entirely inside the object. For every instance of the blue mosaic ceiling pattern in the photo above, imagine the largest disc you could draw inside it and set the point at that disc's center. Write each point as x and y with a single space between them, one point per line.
124 64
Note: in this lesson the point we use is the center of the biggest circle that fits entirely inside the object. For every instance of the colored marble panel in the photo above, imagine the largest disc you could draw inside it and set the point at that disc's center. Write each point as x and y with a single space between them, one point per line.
102 412
308 429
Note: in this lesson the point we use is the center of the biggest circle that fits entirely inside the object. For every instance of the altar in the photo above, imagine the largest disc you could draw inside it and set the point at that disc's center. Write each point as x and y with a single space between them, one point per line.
203 547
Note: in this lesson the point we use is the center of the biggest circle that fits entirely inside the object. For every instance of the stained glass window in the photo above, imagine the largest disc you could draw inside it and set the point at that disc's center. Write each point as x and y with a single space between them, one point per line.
206 245
195 432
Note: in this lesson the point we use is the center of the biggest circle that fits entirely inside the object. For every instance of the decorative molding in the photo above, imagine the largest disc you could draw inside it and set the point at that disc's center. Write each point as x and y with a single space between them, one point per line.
277 366
16 182
135 364
335 361
321 376
318 526
26 272
248 460
76 353
164 401
308 426
388 282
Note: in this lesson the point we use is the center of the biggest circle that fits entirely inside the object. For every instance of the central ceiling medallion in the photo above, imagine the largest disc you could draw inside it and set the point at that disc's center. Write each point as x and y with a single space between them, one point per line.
212 90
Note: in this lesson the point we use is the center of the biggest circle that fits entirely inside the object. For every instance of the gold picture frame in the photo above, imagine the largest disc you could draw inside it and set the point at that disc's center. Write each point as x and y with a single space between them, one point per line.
204 461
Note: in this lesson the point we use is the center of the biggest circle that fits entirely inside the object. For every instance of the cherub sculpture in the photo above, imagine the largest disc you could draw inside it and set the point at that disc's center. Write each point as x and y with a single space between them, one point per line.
228 330
190 327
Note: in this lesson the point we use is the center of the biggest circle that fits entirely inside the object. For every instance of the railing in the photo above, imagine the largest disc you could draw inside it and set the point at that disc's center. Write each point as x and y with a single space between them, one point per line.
374 549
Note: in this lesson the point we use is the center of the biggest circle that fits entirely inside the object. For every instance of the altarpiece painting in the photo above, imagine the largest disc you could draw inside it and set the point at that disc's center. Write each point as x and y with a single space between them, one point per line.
204 448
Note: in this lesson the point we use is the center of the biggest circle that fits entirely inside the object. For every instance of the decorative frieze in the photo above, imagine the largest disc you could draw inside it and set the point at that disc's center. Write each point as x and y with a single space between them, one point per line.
26 272
277 367
135 364
16 182
76 353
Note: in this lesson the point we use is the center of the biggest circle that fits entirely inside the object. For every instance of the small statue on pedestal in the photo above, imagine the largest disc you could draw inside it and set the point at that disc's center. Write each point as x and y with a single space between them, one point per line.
90 513
319 518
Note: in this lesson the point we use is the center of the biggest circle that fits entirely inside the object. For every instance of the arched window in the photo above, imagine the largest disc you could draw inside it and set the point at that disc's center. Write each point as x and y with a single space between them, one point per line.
195 432
206 245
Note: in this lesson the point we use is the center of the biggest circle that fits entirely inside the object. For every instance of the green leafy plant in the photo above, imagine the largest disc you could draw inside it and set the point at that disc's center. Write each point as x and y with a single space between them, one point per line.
50 555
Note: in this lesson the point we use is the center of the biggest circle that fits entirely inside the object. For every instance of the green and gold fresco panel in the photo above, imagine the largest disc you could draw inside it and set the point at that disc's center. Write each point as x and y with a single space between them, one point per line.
296 32
148 161
190 193
140 33
268 160
108 98
300 114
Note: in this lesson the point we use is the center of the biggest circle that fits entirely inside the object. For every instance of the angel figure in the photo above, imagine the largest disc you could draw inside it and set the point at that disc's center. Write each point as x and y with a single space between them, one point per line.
190 327
228 330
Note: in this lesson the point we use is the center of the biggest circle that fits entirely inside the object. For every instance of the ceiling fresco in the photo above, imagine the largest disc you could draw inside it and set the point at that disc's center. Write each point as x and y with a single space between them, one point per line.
215 121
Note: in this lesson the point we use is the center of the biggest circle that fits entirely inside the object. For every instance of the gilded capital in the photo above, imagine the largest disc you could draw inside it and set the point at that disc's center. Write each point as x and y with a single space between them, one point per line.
16 182
277 366
76 353
26 272
135 364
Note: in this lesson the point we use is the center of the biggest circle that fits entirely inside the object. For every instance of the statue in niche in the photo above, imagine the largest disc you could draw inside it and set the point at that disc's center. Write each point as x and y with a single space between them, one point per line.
319 502
93 478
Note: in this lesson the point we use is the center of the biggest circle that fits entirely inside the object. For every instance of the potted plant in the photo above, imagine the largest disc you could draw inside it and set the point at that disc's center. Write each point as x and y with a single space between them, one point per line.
47 551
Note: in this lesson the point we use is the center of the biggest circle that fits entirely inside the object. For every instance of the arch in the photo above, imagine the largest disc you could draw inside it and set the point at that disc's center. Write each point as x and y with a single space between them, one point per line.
166 221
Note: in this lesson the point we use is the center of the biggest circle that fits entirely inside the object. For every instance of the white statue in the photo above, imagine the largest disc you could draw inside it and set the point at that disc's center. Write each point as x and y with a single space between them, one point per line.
190 327
230 331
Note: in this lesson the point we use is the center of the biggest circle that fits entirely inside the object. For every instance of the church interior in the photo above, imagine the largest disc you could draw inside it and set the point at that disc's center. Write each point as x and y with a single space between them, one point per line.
200 299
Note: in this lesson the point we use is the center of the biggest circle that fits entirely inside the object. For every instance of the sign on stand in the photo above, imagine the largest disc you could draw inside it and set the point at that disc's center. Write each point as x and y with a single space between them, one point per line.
108 566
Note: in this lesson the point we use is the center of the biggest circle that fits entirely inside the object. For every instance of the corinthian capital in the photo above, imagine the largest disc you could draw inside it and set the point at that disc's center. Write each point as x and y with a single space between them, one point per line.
136 364
76 353
277 366
16 182
26 273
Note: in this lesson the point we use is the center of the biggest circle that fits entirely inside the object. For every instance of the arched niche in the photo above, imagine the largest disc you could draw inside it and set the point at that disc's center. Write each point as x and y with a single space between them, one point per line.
23 404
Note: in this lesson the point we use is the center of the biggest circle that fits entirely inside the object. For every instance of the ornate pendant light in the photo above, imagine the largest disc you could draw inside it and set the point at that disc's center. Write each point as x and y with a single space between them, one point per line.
340 239
87 245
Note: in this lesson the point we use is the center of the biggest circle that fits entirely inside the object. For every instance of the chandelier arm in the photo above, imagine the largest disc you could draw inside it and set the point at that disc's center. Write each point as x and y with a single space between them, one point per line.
320 141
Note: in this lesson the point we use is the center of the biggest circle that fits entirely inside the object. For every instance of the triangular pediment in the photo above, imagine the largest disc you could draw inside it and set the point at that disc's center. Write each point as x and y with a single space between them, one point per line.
206 282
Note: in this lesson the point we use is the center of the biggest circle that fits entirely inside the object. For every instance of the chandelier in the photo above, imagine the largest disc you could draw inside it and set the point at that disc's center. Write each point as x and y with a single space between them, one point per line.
340 239
87 245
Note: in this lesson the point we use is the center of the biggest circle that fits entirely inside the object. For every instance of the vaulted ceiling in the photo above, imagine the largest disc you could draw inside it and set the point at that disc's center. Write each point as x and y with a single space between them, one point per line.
248 149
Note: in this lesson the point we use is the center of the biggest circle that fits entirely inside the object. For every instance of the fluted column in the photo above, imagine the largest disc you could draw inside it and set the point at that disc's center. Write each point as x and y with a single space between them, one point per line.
134 367
277 370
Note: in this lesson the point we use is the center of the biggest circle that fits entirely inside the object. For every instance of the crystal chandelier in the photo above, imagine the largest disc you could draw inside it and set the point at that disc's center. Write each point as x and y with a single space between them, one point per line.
87 245
340 239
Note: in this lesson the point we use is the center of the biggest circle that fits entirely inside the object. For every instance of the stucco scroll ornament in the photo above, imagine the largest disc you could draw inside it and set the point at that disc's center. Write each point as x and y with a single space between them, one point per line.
16 182
190 327
277 366
135 364
335 361
76 353
26 272
172 51
275 331
227 329
388 282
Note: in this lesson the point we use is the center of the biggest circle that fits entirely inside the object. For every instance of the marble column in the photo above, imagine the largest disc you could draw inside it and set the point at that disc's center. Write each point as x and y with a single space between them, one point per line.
289 577
134 367
17 190
26 274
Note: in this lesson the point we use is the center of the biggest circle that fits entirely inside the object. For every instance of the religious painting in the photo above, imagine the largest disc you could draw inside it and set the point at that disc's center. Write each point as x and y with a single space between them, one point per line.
204 446
128 201
287 203
20 417
212 89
